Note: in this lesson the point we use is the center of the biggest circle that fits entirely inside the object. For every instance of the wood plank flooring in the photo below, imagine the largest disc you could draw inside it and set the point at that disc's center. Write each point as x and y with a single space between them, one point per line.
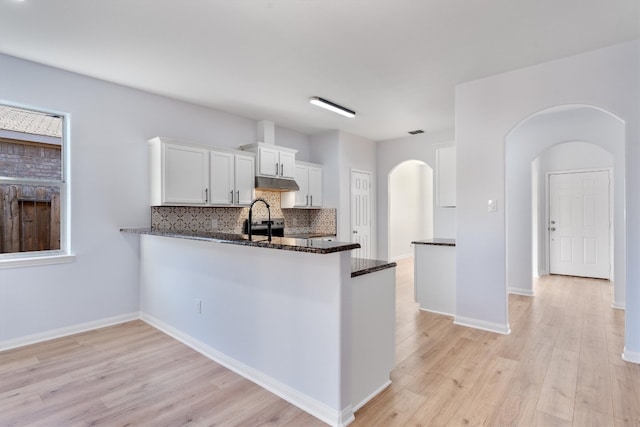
560 366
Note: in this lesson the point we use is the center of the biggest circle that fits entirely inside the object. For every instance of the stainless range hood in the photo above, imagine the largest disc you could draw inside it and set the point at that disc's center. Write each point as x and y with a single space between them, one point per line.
266 135
275 184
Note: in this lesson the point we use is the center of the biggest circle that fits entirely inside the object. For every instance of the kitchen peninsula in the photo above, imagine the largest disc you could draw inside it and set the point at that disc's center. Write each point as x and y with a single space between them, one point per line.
296 316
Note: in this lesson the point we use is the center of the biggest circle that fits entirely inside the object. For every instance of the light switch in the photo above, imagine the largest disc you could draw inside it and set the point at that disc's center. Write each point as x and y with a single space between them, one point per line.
492 206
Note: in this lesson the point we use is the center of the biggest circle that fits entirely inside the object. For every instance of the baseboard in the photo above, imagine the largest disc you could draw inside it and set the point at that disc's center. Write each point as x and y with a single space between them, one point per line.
66 331
371 396
630 356
498 328
302 401
520 291
618 305
444 313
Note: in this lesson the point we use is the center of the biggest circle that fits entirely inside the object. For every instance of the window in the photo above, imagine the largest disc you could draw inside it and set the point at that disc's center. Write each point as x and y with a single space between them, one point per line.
33 185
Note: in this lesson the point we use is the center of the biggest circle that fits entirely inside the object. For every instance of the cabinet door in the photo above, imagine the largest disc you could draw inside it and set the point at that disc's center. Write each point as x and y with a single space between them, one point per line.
287 164
302 179
185 175
268 162
315 186
222 168
245 179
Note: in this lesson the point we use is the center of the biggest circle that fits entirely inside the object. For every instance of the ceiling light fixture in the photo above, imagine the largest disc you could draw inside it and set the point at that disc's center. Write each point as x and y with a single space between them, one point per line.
320 102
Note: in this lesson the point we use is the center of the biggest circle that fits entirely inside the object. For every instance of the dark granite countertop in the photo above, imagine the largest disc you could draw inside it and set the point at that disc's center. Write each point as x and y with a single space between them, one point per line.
308 235
436 242
283 243
361 266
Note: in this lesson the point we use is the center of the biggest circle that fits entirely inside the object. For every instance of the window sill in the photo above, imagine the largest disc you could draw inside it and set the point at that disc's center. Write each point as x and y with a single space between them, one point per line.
36 260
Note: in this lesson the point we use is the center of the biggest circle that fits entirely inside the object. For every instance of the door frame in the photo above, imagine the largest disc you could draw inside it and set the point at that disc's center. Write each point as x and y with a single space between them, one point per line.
545 225
351 225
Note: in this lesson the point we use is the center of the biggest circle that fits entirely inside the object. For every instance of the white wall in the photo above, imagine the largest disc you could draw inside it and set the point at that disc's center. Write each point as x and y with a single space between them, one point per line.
410 207
390 154
109 190
339 153
356 153
486 111
527 141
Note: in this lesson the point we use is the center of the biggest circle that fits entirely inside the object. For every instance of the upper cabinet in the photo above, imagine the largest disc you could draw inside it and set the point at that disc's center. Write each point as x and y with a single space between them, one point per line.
446 176
308 176
232 178
179 174
184 174
273 160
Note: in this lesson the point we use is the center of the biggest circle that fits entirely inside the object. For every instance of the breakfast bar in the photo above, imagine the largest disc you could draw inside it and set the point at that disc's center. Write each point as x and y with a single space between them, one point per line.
296 316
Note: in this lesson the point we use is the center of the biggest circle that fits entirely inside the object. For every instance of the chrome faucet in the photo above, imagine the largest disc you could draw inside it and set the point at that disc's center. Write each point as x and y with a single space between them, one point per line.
259 199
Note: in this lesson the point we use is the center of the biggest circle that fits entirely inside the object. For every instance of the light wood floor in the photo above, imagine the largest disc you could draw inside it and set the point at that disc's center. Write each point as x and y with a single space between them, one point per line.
560 366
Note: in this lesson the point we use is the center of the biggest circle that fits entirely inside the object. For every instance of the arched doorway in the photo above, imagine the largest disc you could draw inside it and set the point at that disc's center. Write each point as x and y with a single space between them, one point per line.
410 187
584 128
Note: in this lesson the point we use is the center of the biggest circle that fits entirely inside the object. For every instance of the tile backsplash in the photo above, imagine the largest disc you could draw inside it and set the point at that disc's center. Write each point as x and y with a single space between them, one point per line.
230 220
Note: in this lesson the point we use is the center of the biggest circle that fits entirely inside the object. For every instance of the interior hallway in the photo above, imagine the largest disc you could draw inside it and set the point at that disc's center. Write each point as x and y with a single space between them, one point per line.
560 366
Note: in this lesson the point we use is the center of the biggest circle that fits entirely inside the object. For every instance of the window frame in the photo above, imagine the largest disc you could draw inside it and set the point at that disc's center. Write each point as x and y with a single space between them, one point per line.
64 254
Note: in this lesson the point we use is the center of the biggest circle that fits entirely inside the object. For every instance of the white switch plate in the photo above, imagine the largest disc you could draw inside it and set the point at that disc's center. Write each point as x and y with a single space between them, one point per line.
492 206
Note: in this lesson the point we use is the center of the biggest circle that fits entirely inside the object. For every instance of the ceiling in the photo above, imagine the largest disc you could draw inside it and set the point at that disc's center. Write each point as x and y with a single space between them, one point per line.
395 62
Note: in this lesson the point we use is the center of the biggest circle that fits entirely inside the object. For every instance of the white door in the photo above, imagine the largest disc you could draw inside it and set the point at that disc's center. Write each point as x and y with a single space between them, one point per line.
579 224
287 163
245 179
221 178
315 186
185 175
361 213
302 179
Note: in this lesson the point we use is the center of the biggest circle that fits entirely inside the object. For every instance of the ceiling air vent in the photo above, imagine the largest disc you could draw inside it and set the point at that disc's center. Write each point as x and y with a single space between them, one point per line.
416 132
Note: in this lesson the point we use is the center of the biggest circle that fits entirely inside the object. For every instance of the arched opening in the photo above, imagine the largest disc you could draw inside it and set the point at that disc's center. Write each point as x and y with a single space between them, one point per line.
410 207
562 138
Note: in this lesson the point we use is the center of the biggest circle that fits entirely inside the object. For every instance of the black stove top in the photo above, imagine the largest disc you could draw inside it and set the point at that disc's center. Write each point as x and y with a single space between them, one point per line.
260 227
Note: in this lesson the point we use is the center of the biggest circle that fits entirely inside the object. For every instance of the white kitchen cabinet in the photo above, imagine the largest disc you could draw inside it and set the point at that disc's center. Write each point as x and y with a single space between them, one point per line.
232 178
308 176
446 176
185 174
179 174
273 161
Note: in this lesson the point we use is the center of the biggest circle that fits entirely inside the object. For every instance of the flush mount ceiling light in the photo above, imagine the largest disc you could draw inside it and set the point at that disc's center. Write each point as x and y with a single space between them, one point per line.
320 102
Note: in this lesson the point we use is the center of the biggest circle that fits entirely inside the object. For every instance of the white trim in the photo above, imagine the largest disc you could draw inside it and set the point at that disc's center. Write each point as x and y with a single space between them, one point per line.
630 356
618 305
37 260
302 401
498 328
444 313
371 396
521 291
68 330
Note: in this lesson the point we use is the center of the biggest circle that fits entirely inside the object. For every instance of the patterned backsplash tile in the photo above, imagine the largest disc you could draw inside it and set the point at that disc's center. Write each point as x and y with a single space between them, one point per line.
230 220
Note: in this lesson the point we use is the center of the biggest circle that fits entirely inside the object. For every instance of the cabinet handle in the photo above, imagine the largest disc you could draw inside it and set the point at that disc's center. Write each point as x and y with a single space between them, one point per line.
238 196
311 198
206 195
231 196
281 169
277 168
306 203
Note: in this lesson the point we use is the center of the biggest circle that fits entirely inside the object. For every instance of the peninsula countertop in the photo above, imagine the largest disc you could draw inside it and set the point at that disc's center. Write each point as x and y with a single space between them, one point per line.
438 241
315 246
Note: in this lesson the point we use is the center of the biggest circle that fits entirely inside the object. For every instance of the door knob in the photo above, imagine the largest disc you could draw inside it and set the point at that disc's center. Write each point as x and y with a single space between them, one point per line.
552 229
